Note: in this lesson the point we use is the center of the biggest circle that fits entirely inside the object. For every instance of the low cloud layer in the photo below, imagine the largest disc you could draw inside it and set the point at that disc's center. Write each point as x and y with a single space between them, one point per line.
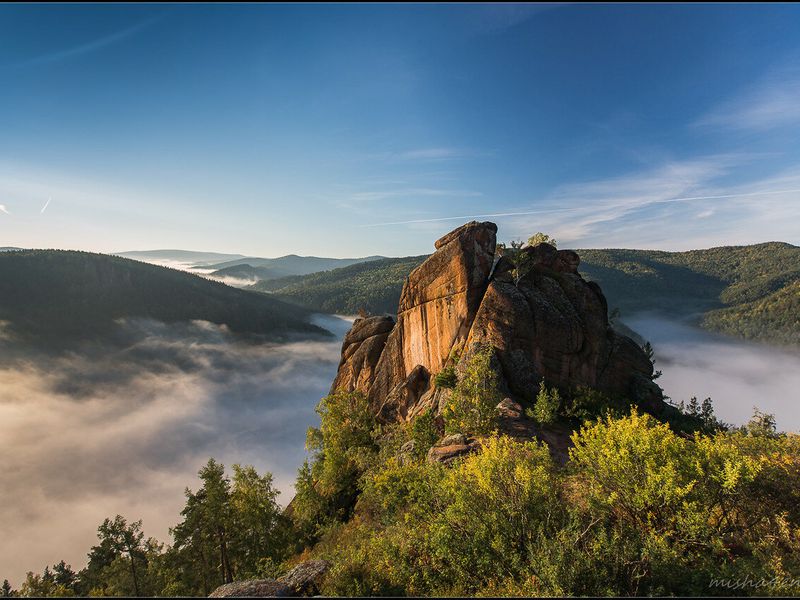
124 429
736 375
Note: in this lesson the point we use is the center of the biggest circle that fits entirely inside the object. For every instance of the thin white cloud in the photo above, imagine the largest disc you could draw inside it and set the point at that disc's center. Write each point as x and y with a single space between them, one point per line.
46 204
86 48
393 194
496 17
667 207
770 103
3 209
434 154
425 154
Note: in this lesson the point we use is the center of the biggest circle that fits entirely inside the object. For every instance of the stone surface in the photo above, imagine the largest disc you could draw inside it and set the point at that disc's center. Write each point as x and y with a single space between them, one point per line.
548 324
305 578
302 580
446 453
361 349
252 588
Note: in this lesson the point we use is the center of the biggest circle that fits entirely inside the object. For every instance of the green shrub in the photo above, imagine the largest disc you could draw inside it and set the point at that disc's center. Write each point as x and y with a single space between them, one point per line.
472 408
546 408
446 378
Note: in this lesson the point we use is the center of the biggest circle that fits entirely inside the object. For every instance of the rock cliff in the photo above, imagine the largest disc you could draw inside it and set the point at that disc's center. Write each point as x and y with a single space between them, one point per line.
544 322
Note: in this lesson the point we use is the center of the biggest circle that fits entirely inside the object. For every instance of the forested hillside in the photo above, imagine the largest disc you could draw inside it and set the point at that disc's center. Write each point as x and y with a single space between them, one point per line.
374 286
746 291
52 294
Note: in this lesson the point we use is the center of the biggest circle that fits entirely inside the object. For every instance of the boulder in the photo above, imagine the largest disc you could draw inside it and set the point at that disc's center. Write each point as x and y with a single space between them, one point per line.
305 579
302 580
252 588
451 448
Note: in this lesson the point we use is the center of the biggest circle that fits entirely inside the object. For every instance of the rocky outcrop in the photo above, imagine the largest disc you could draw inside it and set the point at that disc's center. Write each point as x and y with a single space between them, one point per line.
452 447
302 580
306 578
252 588
541 317
361 349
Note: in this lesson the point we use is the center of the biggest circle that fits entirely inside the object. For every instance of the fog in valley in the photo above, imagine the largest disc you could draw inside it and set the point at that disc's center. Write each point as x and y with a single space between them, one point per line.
737 375
124 427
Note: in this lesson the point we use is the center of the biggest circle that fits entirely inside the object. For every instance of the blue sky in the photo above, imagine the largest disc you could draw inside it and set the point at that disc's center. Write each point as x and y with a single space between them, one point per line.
372 129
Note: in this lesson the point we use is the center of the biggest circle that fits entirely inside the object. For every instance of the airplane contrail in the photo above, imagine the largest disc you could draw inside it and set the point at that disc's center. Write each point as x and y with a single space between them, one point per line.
4 209
46 204
556 210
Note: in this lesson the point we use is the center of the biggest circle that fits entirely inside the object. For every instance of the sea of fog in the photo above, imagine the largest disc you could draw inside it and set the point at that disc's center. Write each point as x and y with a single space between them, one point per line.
124 429
736 375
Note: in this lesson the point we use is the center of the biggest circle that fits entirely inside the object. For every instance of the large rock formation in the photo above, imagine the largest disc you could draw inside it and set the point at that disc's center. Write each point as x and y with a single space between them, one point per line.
543 320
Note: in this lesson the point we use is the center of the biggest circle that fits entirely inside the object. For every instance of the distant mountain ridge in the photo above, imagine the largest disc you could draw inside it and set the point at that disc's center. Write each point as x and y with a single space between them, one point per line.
64 294
259 269
248 269
752 292
183 256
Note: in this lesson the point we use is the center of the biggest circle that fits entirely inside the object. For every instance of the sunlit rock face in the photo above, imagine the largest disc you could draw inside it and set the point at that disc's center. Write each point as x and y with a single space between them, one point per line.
547 323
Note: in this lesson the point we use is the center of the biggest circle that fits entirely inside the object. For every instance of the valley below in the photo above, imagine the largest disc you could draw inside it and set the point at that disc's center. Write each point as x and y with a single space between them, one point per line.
737 375
107 429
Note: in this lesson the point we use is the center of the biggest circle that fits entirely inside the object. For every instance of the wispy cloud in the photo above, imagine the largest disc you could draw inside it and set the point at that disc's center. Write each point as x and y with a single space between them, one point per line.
46 204
770 103
3 209
496 17
668 207
394 194
86 48
435 154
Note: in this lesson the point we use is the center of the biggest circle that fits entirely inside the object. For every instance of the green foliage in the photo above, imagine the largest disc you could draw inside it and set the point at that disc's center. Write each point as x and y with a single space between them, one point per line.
343 447
546 407
762 424
745 291
471 408
541 238
648 350
639 511
587 403
446 378
227 530
702 414
423 432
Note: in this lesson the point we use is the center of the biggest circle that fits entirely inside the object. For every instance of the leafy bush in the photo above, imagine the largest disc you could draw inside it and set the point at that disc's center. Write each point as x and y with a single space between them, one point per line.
546 408
446 378
423 432
472 408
